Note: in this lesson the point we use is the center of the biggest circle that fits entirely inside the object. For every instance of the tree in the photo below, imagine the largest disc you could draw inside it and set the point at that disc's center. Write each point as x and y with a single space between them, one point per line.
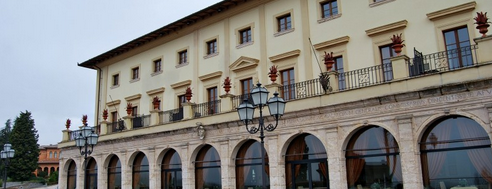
24 139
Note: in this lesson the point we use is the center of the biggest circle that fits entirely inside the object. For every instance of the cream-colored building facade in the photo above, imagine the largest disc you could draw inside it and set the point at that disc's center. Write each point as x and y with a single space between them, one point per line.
373 90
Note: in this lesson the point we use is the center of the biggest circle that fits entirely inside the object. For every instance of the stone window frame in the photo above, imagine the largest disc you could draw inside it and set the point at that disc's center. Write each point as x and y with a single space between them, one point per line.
206 49
276 25
132 79
154 60
237 32
321 17
116 74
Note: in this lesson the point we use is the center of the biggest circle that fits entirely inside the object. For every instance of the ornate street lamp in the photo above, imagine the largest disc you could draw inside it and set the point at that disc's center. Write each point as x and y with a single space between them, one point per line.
276 106
6 154
86 138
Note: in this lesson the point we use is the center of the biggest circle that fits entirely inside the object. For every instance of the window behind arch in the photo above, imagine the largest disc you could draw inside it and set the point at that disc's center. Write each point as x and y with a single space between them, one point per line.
306 163
248 166
207 169
72 176
373 159
114 173
91 174
140 172
456 152
171 173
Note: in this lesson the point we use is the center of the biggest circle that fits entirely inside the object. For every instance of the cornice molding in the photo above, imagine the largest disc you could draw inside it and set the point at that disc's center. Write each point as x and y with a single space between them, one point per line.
387 27
452 10
181 84
285 55
156 91
332 43
133 97
210 76
243 63
113 103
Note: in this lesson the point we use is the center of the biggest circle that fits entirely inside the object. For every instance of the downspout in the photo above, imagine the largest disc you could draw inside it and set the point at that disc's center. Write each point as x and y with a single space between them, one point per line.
98 94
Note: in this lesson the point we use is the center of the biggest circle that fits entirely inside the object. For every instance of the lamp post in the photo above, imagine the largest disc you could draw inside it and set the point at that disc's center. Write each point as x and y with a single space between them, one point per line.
86 138
6 154
276 106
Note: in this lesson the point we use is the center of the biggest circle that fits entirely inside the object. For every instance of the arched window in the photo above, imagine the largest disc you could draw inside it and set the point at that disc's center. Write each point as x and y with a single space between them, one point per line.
140 172
373 159
72 176
248 166
91 174
46 170
55 154
171 171
207 168
51 155
52 169
306 163
456 151
114 173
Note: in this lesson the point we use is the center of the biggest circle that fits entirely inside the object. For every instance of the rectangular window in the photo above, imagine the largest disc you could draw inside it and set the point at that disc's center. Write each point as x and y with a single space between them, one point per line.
135 73
329 8
339 69
213 105
114 121
386 53
116 78
157 65
246 86
181 100
212 47
288 82
245 36
284 23
456 40
183 57
135 111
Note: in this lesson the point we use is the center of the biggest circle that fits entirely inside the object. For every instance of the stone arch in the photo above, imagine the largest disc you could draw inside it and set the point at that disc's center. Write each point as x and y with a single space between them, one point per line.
358 127
129 161
197 149
286 143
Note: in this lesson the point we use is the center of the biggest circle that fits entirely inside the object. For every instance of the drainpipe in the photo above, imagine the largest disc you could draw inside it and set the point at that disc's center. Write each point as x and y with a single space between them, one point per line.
98 93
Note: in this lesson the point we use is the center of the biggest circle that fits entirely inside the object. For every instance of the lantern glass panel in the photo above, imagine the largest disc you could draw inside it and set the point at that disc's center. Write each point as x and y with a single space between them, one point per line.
245 111
259 95
11 153
92 139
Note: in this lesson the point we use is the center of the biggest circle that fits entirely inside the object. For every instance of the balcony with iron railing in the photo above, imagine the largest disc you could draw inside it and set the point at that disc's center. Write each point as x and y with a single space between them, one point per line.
418 72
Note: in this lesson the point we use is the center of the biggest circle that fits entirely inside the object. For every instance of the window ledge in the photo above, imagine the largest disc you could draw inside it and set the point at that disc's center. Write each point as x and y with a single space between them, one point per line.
156 73
329 18
115 86
210 55
244 45
375 4
181 65
134 80
283 32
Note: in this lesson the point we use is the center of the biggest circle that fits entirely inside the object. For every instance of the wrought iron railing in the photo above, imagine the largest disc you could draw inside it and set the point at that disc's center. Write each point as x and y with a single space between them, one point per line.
171 115
237 100
141 121
76 133
206 108
367 76
301 90
442 61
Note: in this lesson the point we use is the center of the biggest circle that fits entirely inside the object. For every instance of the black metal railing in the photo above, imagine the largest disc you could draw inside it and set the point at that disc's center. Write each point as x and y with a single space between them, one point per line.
367 76
238 99
141 121
171 115
301 90
206 108
76 133
442 61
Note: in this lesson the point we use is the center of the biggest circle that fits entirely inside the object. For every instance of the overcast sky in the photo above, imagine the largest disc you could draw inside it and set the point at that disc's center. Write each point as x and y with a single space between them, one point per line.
41 43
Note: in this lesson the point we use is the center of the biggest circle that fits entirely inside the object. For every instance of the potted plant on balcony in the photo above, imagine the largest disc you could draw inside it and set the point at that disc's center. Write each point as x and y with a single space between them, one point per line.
84 119
227 85
67 124
328 58
105 114
188 94
273 74
482 23
156 102
129 108
397 43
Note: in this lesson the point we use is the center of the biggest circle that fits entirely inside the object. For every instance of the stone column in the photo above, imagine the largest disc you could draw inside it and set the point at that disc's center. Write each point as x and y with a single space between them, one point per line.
128 122
400 67
484 45
188 110
62 174
226 103
187 166
277 171
104 127
225 165
153 168
66 135
102 173
126 171
409 158
489 110
154 117
336 167
80 172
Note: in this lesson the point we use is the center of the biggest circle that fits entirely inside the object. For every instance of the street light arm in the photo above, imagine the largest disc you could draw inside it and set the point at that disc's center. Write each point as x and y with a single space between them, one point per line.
252 129
270 127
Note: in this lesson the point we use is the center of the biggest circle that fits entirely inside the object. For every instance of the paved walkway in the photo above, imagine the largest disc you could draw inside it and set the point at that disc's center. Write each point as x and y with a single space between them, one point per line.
48 187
